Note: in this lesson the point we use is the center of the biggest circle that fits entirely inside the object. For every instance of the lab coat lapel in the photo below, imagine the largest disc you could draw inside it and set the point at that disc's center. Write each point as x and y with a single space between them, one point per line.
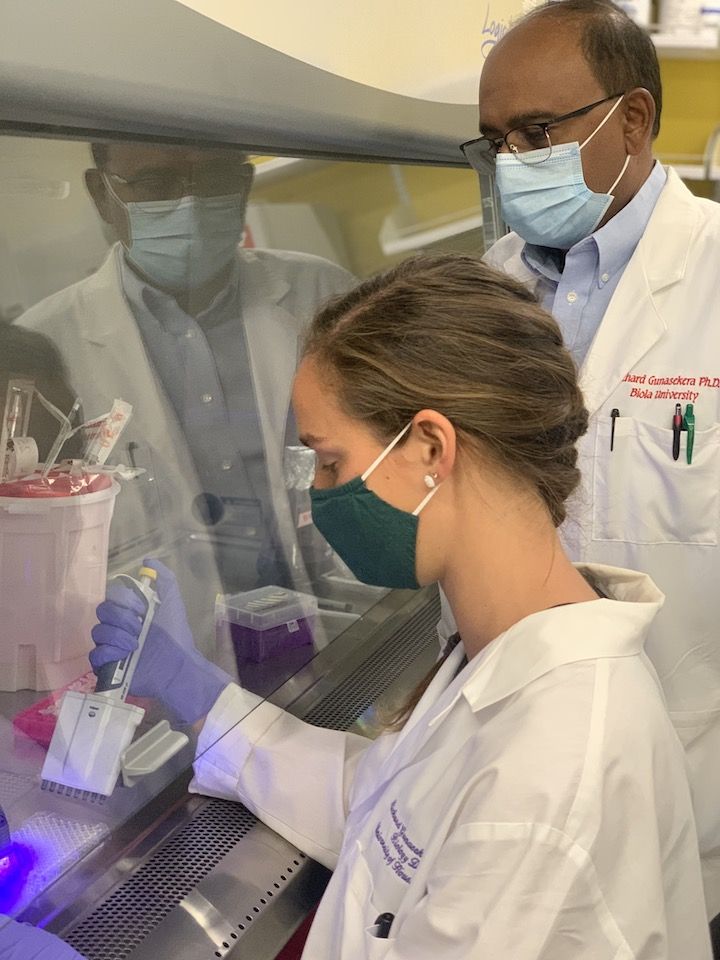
273 349
115 346
269 328
635 319
437 702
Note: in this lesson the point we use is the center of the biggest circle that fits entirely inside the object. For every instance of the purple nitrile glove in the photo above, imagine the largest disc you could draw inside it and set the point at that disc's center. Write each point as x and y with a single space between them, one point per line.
170 667
20 941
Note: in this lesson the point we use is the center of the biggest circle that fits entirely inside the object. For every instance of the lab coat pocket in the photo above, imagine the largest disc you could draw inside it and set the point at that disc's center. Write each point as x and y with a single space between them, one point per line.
362 914
642 495
376 947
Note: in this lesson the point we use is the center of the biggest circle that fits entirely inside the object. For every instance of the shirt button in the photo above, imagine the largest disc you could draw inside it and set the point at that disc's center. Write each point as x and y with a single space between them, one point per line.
189 334
605 277
571 297
226 465
207 398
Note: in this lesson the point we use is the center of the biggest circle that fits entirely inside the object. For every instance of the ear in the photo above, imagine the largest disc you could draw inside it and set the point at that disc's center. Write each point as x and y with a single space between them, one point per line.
98 191
111 211
435 442
638 117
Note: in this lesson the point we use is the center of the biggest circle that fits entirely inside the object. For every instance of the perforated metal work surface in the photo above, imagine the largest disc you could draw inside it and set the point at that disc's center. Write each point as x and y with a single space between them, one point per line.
139 913
120 923
352 697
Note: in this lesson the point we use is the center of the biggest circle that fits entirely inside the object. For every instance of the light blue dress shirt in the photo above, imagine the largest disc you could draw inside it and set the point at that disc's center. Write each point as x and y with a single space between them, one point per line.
578 292
204 367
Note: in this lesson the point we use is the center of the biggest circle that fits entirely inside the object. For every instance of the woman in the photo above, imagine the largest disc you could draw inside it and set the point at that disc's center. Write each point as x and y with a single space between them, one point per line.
531 802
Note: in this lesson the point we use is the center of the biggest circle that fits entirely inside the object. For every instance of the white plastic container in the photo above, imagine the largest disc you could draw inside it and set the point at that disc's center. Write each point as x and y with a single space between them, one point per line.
53 568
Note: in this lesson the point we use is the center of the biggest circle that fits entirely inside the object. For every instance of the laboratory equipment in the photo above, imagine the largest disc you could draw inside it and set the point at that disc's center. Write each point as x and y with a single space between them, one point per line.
94 730
266 622
54 537
168 859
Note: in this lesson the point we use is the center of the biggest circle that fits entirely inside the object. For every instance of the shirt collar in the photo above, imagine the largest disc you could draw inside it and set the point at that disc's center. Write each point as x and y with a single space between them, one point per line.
615 242
615 627
146 299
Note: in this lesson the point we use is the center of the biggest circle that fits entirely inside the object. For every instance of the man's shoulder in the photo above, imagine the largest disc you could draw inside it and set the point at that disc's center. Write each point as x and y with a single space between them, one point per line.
505 252
677 200
294 263
63 304
55 306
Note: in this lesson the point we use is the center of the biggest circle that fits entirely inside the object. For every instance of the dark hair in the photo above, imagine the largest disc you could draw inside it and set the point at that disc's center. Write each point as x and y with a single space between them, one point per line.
451 334
620 53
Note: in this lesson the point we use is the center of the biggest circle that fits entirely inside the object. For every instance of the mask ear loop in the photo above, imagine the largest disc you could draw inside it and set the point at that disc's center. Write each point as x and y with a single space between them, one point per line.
620 175
378 460
599 127
602 123
425 500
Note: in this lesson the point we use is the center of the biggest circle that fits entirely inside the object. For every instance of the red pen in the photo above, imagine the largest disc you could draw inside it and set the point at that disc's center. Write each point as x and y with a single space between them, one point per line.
676 428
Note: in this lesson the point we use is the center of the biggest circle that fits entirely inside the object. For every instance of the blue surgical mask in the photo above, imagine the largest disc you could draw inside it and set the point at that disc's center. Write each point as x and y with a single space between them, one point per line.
181 244
549 203
376 540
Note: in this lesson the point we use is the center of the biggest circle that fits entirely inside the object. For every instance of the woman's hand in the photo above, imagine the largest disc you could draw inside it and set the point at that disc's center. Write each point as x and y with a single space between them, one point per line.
170 668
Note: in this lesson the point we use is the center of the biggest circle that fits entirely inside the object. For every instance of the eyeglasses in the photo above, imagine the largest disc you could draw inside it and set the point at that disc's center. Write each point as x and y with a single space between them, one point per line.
530 144
216 178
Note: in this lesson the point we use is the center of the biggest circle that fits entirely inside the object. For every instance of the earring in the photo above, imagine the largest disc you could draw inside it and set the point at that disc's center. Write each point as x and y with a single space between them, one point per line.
429 480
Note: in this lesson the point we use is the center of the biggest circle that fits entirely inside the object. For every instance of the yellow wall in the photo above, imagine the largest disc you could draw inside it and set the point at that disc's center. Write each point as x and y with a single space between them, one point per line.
691 109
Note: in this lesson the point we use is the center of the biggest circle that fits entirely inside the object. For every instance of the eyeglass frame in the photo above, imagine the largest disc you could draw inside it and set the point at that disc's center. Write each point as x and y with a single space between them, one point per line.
246 169
495 143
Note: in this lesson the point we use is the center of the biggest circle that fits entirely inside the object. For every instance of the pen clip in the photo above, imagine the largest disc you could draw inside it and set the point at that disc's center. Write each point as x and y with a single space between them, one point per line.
688 424
614 414
676 430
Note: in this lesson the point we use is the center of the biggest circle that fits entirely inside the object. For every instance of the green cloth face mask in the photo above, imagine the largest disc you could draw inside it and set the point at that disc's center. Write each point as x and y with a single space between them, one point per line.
376 540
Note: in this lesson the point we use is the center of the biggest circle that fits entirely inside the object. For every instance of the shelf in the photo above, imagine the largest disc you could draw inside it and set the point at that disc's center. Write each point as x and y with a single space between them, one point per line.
700 44
694 171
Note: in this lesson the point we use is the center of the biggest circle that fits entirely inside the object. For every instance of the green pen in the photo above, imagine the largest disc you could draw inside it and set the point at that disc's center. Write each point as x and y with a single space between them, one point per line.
689 425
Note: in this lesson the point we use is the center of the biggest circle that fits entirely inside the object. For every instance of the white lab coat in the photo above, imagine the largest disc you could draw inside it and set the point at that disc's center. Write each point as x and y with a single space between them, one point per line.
96 333
638 507
534 807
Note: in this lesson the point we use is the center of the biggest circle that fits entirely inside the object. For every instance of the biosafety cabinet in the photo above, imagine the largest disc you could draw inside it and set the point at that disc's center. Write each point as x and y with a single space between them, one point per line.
176 201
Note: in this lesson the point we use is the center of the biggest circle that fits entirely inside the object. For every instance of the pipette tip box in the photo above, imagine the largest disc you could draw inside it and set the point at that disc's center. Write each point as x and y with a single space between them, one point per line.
264 623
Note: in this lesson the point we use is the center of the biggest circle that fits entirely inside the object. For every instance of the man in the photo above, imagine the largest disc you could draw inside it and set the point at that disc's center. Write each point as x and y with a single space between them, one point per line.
201 336
627 260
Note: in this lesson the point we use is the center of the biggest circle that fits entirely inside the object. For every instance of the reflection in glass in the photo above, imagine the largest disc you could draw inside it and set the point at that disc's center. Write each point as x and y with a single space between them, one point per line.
178 279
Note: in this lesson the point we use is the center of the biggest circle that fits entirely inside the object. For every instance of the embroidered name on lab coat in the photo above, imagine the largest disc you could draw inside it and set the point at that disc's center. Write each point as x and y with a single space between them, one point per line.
398 850
650 386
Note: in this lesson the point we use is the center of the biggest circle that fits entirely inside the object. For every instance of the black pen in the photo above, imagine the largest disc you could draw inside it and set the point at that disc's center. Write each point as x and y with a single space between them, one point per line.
677 428
614 414
383 924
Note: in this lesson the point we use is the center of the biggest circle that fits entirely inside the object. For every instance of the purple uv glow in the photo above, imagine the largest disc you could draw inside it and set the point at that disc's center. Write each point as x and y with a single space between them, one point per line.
16 864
